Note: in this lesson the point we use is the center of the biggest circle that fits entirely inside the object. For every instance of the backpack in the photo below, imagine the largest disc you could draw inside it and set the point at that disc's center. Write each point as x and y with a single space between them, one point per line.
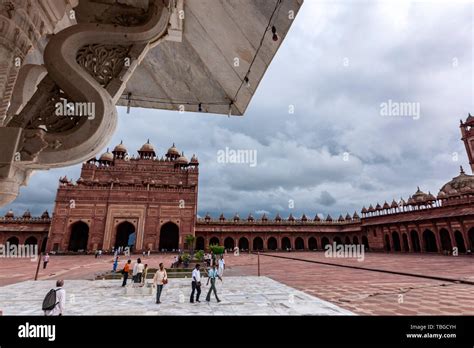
49 301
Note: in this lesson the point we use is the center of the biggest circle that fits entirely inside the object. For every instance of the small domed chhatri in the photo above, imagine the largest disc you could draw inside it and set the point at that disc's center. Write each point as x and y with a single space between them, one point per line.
10 214
182 160
147 151
106 157
172 153
120 151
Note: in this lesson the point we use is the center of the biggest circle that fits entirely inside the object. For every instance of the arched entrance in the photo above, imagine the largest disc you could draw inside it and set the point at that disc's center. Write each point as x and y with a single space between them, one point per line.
365 241
13 241
460 242
446 244
243 243
299 243
312 243
229 243
337 240
79 236
396 241
124 237
471 238
415 241
387 243
214 241
429 241
355 240
285 243
31 241
257 243
169 237
200 245
324 242
406 245
272 243
347 240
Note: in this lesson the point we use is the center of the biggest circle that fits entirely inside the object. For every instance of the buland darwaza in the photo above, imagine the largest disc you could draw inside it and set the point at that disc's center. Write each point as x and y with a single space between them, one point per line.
154 199
91 55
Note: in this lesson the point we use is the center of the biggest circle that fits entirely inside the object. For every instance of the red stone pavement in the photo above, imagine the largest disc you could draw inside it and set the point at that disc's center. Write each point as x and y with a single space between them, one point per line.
361 291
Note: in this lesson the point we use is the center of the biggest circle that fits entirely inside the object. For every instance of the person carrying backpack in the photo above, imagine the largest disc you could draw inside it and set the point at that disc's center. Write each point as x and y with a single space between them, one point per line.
54 302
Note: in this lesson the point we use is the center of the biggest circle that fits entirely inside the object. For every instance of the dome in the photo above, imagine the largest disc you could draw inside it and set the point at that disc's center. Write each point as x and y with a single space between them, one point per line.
291 217
421 198
10 214
120 148
304 218
207 217
107 157
329 218
182 160
317 218
172 151
264 217
222 217
250 217
147 147
27 214
341 218
462 183
236 217
355 216
348 217
45 215
277 217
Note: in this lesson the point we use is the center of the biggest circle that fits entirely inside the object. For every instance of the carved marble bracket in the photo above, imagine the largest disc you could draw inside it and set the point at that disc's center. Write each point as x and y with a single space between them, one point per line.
72 113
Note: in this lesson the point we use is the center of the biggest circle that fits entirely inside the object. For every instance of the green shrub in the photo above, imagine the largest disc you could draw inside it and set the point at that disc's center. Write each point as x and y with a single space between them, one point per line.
186 257
216 249
199 255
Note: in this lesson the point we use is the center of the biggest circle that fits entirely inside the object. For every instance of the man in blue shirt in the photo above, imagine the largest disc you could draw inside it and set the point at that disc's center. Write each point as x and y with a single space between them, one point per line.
212 275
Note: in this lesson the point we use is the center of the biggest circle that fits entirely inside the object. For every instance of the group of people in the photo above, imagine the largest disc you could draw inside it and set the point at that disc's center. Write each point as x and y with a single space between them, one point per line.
139 274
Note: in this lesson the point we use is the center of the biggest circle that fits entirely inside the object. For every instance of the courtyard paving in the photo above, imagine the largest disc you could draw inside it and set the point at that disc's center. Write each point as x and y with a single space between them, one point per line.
246 295
356 290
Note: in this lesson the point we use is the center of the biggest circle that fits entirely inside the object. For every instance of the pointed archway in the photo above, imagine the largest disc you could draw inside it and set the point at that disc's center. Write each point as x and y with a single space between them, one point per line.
124 236
229 243
272 243
257 244
460 242
415 241
200 244
299 243
169 237
79 236
446 244
429 242
396 241
312 243
243 243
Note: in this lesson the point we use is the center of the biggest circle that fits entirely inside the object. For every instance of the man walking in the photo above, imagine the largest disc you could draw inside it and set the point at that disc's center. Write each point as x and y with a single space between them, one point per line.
55 301
125 272
196 284
213 274
45 260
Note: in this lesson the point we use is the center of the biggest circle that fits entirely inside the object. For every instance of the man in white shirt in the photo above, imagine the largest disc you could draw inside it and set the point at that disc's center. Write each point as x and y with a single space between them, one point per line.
196 284
221 266
60 301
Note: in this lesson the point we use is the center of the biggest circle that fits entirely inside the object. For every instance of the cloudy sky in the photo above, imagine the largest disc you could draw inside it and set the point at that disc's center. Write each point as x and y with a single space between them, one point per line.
337 151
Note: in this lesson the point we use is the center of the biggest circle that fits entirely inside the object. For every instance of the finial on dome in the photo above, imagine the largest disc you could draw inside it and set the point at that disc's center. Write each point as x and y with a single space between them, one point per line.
462 170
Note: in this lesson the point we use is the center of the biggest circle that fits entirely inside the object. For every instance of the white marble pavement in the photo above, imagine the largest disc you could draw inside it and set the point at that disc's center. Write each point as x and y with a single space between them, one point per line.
239 295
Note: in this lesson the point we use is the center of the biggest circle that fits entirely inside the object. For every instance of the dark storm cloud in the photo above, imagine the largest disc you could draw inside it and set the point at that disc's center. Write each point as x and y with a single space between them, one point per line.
336 152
